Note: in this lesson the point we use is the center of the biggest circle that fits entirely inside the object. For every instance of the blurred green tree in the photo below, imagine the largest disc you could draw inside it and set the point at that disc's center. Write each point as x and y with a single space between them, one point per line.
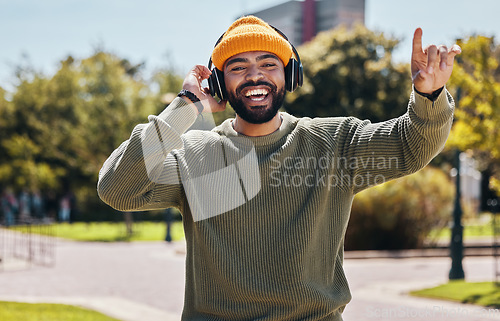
166 82
350 72
5 115
475 83
57 131
21 162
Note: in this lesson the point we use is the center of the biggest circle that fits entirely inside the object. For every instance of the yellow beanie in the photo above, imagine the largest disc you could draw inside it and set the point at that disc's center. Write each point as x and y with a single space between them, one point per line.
250 34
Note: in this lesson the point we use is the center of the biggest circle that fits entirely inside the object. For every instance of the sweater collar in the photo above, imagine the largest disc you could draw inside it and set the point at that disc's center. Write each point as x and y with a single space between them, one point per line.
287 125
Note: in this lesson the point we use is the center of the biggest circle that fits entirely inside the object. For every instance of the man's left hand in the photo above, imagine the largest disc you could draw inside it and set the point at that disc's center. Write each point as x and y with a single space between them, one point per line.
431 67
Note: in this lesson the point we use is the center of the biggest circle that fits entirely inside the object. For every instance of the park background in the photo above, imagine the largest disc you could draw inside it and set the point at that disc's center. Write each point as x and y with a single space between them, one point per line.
76 77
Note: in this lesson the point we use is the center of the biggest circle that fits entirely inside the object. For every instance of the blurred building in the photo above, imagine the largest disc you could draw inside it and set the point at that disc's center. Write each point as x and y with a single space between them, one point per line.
300 21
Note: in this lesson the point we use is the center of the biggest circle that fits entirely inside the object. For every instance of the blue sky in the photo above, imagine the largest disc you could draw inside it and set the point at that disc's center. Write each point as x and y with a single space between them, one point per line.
42 33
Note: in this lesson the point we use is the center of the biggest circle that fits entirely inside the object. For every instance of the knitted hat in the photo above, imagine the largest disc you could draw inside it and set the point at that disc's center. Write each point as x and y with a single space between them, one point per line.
250 33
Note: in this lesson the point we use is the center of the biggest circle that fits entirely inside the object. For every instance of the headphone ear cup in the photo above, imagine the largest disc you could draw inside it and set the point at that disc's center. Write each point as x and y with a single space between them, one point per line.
216 84
300 76
212 84
288 75
222 84
293 75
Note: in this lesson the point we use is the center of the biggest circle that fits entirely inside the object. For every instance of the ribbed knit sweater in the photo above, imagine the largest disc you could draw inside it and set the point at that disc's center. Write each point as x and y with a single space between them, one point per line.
265 217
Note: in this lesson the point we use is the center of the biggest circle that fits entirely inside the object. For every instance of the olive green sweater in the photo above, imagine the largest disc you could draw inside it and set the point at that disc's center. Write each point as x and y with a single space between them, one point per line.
265 217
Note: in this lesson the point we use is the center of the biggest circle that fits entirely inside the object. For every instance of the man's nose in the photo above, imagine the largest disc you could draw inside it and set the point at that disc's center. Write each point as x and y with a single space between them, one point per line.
254 74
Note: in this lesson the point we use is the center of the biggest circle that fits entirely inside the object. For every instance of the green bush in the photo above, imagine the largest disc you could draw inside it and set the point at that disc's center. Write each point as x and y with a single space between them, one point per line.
400 214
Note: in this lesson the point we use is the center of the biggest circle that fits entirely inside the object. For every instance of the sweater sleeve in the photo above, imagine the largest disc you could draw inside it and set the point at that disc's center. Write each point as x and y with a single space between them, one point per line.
142 174
375 153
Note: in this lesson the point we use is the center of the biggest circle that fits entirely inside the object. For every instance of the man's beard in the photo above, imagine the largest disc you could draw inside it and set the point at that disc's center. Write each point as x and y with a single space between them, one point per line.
257 114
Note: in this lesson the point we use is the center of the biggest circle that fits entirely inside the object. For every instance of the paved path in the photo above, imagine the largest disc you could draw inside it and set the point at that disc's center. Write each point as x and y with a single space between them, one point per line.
129 281
145 282
380 286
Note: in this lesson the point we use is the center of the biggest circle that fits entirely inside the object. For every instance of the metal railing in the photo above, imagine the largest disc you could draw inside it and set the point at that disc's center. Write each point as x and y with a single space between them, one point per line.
30 242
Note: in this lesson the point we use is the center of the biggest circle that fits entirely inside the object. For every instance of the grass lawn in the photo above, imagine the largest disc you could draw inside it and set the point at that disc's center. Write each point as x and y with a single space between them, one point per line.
482 293
473 229
14 311
470 231
113 232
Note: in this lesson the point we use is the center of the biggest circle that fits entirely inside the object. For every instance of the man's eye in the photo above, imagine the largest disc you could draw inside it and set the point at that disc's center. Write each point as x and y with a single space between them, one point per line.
237 68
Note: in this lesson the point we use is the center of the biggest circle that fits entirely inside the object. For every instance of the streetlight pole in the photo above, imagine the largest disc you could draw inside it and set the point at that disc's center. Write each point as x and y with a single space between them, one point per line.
457 230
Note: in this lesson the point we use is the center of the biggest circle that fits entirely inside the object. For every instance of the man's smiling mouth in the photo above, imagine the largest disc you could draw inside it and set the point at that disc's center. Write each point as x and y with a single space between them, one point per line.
258 94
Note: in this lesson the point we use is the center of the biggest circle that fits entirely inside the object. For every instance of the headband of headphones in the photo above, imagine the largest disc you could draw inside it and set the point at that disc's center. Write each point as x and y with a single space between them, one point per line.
293 71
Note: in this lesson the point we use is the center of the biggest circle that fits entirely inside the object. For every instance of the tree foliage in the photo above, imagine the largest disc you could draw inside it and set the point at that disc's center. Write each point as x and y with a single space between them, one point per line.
57 131
350 72
476 83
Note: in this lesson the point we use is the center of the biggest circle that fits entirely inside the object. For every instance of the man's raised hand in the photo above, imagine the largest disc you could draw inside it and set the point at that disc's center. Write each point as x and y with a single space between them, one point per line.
193 81
431 67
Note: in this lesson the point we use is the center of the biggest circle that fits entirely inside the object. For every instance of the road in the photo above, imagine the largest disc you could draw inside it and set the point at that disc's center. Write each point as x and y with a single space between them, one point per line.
145 282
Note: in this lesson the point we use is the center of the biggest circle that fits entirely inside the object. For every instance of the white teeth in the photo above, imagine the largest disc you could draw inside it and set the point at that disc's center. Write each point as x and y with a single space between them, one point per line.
256 92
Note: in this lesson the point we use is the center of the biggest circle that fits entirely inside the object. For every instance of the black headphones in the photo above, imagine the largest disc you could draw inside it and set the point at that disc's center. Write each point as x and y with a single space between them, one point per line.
294 75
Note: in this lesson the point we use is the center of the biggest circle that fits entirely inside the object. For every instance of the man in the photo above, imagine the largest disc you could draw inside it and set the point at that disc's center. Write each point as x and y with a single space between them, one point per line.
265 196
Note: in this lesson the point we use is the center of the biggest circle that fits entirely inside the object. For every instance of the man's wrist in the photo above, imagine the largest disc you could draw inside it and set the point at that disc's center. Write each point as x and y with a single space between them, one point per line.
432 96
191 98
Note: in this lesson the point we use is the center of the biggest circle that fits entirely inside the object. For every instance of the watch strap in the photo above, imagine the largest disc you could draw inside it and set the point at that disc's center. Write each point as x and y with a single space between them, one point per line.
191 96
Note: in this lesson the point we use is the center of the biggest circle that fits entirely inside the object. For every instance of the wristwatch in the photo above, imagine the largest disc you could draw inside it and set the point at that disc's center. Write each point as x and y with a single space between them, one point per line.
193 98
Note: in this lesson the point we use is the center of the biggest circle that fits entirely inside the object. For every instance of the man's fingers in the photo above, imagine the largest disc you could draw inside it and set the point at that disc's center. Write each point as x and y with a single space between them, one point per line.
455 50
201 72
432 58
206 72
443 57
417 41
